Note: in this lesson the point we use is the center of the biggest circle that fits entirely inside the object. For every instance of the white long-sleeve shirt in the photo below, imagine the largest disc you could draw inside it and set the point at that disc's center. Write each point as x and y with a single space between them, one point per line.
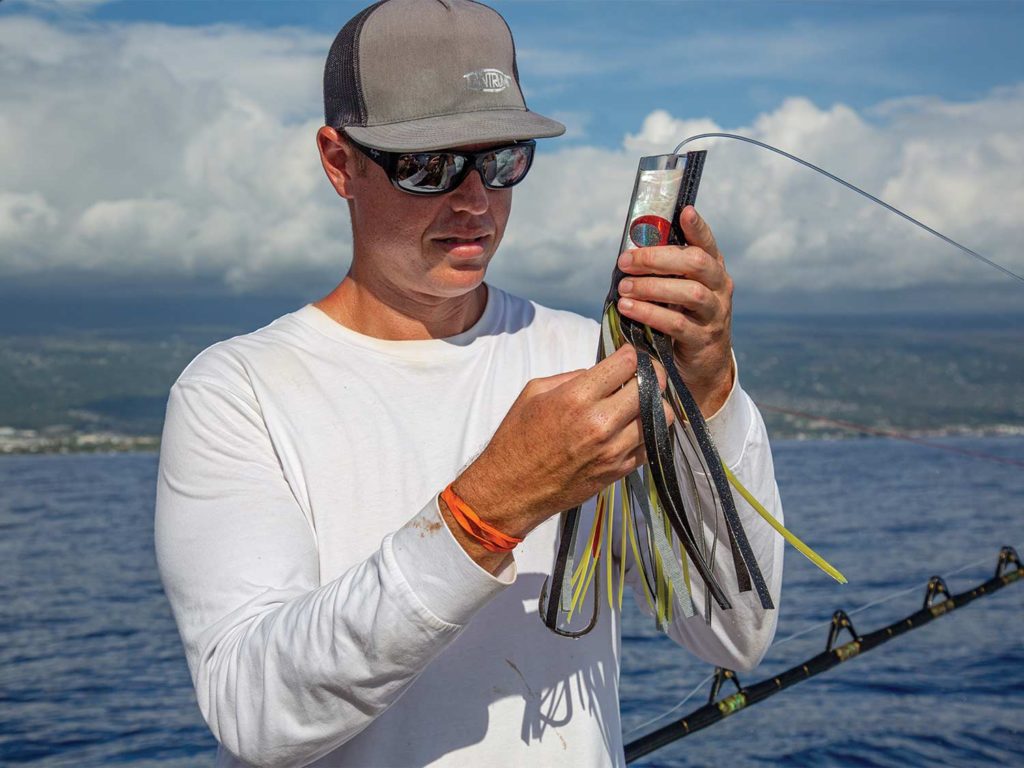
328 614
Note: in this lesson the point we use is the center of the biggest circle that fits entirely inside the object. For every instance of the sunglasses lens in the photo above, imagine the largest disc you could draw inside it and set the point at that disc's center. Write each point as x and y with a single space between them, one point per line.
428 171
507 166
439 172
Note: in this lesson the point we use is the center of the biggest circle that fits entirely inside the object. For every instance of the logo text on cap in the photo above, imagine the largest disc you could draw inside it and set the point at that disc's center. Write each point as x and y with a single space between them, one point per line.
487 80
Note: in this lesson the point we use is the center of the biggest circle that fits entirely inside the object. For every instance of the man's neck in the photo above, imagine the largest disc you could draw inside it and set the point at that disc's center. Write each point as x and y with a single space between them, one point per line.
372 312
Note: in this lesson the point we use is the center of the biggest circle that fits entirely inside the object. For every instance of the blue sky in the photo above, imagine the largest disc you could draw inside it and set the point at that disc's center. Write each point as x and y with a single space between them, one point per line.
726 60
193 167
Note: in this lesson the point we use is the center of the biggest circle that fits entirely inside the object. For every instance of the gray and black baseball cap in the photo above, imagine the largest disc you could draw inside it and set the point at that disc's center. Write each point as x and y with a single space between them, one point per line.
417 75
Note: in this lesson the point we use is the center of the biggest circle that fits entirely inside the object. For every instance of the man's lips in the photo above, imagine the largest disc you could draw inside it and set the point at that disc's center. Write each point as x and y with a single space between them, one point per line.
467 246
463 237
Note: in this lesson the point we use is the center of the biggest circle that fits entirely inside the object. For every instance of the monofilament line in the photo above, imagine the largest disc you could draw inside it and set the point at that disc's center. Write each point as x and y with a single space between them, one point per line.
817 626
856 189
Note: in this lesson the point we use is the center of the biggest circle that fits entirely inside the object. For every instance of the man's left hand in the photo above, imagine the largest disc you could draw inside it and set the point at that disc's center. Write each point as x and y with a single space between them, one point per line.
686 293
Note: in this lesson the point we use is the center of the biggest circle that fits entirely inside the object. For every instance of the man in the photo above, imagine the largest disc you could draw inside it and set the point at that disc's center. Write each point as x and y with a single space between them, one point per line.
336 612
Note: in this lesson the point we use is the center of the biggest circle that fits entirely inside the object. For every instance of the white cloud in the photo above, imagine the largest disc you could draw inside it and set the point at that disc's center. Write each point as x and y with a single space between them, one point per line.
149 150
25 219
782 227
156 150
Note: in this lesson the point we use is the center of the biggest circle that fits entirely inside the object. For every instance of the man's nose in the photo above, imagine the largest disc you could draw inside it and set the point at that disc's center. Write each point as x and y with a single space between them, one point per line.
470 195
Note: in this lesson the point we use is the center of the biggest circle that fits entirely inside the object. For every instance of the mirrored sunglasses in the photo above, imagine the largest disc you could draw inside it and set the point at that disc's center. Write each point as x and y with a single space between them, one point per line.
441 171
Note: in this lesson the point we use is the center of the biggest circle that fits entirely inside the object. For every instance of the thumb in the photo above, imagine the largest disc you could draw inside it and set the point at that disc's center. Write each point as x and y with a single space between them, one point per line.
697 232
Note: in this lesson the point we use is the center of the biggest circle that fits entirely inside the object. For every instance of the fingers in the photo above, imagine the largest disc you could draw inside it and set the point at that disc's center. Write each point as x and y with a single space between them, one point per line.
622 408
547 383
699 261
611 397
608 376
679 290
690 261
694 297
687 329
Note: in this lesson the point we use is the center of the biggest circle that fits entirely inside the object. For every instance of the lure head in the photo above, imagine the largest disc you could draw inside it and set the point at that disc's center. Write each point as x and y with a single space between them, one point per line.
658 193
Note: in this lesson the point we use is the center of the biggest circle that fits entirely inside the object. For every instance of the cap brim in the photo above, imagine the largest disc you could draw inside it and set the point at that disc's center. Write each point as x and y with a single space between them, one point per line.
429 133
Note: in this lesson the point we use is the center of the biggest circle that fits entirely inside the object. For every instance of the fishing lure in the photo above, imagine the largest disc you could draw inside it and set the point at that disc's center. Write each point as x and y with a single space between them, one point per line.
661 525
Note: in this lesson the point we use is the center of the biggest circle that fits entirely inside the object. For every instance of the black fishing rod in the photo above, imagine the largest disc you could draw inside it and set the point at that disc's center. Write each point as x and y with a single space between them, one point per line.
717 709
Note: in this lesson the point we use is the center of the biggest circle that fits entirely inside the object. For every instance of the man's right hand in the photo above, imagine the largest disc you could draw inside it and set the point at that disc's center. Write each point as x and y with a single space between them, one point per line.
564 439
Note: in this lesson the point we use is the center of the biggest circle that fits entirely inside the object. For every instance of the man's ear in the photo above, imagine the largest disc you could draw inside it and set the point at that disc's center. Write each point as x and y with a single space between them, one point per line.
337 157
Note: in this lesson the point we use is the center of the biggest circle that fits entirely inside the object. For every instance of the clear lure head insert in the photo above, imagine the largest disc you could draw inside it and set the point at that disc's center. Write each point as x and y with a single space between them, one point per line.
664 185
655 201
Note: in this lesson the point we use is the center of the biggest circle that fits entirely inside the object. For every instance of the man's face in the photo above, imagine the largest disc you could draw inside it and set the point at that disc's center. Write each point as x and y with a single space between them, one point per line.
425 247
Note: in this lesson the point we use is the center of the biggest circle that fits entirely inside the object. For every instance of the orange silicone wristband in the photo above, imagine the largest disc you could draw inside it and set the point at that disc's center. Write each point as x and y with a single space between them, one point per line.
488 536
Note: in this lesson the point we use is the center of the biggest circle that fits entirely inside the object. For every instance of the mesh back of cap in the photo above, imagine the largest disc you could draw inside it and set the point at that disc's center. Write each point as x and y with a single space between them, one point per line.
343 99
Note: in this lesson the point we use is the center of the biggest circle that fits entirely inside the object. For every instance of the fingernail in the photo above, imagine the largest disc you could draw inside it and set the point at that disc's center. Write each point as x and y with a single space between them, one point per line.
625 304
626 286
625 259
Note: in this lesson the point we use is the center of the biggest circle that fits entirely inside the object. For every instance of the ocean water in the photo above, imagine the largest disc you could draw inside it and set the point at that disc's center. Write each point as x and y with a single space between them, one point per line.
92 672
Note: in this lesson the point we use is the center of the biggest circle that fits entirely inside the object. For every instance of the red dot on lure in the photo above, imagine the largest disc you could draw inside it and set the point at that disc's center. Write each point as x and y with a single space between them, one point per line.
649 230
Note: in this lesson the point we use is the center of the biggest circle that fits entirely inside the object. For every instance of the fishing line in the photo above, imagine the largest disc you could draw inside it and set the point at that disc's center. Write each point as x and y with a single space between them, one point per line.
800 633
858 190
663 715
1008 571
879 601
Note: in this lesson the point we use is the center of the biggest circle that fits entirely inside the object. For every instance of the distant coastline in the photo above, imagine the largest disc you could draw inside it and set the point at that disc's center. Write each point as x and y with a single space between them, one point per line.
828 377
61 440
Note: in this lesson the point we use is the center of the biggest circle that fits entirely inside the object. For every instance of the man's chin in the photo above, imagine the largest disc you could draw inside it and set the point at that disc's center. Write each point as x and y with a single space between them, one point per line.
461 278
